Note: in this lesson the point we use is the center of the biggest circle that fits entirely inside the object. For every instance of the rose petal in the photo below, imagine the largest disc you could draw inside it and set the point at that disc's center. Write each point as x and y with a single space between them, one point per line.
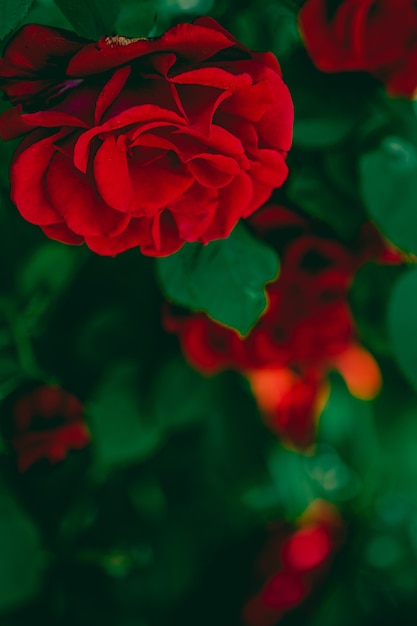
269 168
213 170
192 224
308 548
134 235
164 233
260 195
141 91
52 445
134 115
251 103
213 77
185 147
148 194
76 201
111 173
52 119
12 124
403 81
34 62
233 202
208 346
61 232
275 127
351 41
35 47
360 371
192 42
27 177
110 92
275 216
199 104
212 24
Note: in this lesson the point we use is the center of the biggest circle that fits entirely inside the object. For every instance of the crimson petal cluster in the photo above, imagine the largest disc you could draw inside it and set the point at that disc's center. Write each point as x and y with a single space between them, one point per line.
293 561
375 36
306 331
46 422
143 142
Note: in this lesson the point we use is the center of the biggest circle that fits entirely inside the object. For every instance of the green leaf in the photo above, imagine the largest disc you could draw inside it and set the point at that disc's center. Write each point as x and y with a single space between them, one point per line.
369 297
49 268
45 276
402 323
148 498
312 190
47 12
389 190
181 396
275 24
328 106
91 18
321 132
137 18
12 12
121 433
21 558
295 493
347 424
225 279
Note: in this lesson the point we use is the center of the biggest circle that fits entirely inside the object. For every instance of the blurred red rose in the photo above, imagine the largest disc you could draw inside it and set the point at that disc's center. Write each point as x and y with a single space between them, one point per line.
46 423
143 142
290 401
375 36
292 563
306 331
307 321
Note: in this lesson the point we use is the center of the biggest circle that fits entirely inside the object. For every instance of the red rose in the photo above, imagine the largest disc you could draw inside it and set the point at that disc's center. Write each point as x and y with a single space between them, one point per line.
46 423
306 331
143 142
375 36
290 402
293 562
307 321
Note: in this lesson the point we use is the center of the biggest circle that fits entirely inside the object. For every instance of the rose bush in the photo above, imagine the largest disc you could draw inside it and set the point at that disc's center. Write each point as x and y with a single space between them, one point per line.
45 423
143 142
375 36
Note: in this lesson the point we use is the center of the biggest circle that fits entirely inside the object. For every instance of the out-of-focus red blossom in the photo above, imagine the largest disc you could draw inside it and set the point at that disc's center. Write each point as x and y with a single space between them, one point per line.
290 402
293 562
143 142
306 331
372 246
307 320
375 36
46 423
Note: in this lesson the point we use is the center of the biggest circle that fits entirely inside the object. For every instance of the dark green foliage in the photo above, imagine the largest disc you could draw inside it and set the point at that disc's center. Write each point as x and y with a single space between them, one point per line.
12 13
389 189
213 278
402 322
91 18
